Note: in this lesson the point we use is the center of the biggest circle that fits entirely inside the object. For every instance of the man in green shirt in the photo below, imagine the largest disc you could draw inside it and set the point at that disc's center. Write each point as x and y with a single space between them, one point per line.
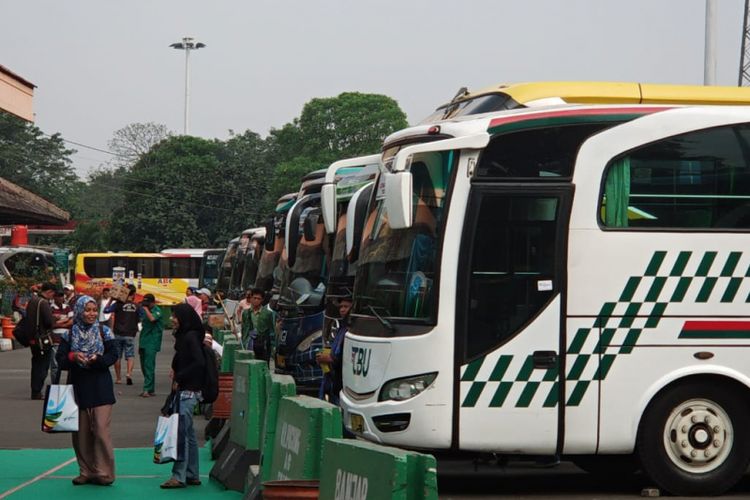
257 326
150 342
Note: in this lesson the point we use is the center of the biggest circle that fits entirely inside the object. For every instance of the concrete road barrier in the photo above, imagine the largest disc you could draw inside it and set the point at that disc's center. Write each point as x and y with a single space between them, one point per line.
357 470
231 345
248 403
277 387
302 426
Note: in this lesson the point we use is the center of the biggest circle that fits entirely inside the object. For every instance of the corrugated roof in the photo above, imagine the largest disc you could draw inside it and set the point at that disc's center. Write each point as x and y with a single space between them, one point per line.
20 206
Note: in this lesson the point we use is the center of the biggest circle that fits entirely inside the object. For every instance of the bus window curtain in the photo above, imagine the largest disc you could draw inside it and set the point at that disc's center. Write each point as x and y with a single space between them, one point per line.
617 191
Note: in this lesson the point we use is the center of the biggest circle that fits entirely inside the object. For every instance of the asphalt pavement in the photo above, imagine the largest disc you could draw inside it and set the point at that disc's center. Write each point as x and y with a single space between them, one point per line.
134 420
133 417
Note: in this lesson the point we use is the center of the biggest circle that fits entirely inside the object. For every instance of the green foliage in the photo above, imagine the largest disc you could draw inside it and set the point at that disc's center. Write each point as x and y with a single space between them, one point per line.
37 162
330 129
182 191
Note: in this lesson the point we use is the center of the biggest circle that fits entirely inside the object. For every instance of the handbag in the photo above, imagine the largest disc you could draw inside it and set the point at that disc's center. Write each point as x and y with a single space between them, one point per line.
168 443
60 412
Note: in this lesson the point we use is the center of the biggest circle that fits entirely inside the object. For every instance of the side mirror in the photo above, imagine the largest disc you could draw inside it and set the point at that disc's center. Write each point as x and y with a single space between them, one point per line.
398 199
308 227
328 206
270 234
356 215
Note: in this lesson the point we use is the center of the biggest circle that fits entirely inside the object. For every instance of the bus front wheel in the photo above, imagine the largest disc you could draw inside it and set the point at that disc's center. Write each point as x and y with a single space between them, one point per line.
694 438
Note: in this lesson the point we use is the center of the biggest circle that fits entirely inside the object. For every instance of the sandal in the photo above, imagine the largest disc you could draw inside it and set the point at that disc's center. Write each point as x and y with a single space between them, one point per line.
129 381
193 482
171 484
146 394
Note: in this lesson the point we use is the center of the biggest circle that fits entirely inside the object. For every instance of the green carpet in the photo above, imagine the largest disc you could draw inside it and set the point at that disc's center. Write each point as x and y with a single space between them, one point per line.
137 477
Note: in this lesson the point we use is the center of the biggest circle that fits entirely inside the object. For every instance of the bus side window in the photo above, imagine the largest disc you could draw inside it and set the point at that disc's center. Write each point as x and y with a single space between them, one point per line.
698 180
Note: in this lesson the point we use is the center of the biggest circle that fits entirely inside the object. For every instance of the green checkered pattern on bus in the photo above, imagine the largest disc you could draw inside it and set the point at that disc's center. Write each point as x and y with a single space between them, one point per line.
716 278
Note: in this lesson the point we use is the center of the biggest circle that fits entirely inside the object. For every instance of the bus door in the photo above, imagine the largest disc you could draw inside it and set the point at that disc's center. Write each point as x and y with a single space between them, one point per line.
509 318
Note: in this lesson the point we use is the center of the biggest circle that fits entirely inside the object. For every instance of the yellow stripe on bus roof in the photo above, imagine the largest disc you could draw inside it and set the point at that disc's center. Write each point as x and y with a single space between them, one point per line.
617 92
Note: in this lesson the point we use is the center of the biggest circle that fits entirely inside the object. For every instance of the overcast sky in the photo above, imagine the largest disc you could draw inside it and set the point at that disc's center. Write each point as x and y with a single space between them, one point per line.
100 65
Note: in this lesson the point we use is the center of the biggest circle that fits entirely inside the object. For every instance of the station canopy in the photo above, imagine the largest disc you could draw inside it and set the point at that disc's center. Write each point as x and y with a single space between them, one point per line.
19 206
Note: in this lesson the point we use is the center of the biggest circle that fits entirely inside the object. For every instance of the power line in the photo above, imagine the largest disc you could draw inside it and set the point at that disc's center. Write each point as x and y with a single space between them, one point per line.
175 200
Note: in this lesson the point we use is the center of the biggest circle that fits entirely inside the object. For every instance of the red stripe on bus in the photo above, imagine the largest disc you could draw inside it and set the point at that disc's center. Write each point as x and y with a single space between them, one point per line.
716 325
576 112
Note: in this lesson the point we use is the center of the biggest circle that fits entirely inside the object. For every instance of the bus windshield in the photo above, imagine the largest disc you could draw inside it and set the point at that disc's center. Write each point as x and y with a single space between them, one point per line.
303 283
474 106
397 267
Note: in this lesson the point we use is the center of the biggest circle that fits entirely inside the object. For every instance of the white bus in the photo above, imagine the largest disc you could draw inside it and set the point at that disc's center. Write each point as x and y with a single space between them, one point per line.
567 281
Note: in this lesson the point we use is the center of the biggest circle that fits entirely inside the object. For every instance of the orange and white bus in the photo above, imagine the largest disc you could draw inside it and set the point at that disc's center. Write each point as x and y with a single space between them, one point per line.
167 276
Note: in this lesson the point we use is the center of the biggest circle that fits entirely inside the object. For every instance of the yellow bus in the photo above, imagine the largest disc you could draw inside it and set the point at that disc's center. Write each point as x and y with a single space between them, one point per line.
167 276
506 96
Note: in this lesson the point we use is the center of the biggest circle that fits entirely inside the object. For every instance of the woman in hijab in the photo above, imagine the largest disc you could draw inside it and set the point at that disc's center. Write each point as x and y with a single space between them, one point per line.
188 368
87 351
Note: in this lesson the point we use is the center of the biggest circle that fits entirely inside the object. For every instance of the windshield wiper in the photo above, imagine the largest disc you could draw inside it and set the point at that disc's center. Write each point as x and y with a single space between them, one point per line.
386 324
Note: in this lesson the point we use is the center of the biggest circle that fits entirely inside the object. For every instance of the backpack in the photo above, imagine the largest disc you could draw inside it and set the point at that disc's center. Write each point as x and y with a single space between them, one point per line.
22 332
26 330
211 376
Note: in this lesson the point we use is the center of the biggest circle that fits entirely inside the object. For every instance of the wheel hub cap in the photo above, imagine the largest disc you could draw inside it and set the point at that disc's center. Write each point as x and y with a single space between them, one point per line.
698 436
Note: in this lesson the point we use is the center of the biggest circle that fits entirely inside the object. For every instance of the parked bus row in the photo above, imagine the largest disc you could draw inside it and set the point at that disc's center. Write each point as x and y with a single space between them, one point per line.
554 270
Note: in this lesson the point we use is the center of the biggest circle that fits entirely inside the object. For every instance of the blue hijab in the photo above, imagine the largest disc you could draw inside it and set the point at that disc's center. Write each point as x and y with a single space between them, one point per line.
84 337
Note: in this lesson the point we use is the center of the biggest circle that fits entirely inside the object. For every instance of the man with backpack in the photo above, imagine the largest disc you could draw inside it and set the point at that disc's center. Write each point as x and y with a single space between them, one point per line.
39 322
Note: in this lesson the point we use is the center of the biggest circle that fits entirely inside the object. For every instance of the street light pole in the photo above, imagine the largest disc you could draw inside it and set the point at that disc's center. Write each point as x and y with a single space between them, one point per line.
187 44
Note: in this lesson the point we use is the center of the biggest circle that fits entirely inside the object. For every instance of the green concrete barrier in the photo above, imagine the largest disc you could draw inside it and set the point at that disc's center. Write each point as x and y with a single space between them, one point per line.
361 470
248 403
277 387
221 334
302 426
227 358
243 354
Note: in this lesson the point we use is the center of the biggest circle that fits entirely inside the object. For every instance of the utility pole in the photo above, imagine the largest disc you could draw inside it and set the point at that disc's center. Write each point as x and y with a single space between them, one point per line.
709 55
187 44
744 78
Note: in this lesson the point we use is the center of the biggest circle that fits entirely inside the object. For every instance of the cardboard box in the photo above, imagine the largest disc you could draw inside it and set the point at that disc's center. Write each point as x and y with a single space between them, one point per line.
119 292
216 320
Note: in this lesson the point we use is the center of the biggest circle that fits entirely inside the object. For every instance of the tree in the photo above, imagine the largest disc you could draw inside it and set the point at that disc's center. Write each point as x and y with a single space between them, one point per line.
350 124
133 141
37 162
330 129
189 192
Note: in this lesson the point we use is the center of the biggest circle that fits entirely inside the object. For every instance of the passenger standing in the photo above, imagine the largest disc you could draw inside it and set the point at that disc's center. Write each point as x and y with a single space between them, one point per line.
126 328
242 306
188 368
63 316
205 295
40 354
104 302
333 381
150 343
87 352
70 295
257 326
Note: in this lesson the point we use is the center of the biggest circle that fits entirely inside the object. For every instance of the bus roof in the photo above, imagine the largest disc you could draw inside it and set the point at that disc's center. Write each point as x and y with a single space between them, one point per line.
193 252
476 124
254 232
541 93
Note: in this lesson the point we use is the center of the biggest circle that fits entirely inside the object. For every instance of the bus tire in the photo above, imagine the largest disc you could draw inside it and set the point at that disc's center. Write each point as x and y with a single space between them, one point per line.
694 438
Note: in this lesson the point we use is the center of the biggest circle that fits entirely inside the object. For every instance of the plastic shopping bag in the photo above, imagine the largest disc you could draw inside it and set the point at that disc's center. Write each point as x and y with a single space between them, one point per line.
166 439
167 446
60 409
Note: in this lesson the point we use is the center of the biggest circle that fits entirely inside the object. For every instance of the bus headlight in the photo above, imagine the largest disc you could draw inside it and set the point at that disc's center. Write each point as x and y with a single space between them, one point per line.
308 341
401 389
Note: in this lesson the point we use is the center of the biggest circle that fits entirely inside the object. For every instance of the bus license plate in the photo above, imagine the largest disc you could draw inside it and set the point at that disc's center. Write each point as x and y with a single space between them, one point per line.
356 422
280 361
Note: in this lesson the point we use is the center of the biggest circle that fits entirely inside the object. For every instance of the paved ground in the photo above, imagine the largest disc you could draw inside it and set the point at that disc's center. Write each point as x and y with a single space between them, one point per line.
133 427
134 418
37 474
